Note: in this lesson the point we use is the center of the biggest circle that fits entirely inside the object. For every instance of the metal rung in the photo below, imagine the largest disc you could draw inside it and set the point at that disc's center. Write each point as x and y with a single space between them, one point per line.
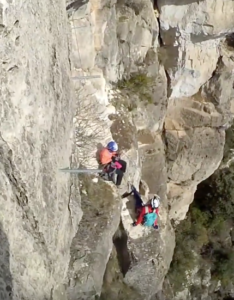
80 27
86 77
81 170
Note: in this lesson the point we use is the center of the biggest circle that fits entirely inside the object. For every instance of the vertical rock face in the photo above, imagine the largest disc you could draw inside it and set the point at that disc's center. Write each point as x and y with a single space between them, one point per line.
92 245
191 32
219 89
199 64
165 139
38 202
192 129
151 251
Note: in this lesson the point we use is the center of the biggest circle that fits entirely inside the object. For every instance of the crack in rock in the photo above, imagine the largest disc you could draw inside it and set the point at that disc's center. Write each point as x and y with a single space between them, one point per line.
30 223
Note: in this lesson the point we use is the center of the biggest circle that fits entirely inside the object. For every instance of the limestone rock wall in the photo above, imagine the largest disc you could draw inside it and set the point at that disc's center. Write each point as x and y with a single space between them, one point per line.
198 58
56 229
39 210
92 245
191 32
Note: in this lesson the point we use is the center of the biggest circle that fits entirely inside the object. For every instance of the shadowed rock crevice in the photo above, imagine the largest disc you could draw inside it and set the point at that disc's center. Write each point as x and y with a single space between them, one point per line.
230 40
176 2
6 284
75 5
20 193
120 241
92 245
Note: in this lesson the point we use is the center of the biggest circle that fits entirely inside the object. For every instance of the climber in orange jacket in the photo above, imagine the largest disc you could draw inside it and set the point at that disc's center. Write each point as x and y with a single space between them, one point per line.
109 158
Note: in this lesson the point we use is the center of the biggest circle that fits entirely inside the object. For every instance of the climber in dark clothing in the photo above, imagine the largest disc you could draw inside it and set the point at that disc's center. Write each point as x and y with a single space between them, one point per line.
119 172
138 201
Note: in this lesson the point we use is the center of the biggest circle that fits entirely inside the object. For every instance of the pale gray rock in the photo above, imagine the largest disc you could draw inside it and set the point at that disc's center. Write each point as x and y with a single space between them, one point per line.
192 150
150 250
92 245
220 88
192 131
191 32
127 31
39 207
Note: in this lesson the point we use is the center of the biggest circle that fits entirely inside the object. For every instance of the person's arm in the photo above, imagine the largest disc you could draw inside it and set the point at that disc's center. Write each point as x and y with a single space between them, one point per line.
115 156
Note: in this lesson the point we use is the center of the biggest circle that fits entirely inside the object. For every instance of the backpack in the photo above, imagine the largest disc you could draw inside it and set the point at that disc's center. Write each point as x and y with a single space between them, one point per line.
149 218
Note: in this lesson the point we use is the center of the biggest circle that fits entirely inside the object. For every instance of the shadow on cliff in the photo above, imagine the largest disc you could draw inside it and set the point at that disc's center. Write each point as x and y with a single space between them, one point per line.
6 285
126 258
120 241
75 5
160 3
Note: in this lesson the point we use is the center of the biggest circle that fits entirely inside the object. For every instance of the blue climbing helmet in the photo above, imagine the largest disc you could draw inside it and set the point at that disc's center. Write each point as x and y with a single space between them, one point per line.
112 146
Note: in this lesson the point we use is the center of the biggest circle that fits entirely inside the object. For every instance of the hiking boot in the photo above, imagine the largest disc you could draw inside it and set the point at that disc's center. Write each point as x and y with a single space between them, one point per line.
131 188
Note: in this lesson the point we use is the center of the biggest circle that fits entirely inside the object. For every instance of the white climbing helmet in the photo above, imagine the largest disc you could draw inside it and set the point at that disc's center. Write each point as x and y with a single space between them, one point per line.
155 201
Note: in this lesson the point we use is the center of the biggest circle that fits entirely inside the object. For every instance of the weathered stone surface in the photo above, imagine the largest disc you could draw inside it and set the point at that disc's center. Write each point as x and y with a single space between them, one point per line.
191 37
122 39
39 210
219 89
192 131
127 31
179 199
113 287
125 40
92 245
151 116
154 167
192 150
151 251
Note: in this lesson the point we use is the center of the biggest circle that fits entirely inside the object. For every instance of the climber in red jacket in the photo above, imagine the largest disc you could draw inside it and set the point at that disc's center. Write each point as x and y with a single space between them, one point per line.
145 210
142 209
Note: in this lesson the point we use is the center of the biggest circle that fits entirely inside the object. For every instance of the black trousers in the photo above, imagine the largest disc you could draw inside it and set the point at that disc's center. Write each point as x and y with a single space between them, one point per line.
120 172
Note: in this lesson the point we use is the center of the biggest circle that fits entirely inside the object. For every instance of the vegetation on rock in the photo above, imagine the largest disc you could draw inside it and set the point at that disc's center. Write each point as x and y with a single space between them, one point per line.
137 88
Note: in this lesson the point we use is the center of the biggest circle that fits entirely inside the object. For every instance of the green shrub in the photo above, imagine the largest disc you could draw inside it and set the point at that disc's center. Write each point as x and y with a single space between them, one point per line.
184 258
223 268
139 85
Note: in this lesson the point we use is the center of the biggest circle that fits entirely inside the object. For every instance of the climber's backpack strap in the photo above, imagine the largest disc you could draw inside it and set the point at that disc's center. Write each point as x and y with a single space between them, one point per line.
108 172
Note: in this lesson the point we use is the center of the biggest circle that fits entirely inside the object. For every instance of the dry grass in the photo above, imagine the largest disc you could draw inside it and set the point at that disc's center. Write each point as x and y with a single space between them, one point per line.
89 129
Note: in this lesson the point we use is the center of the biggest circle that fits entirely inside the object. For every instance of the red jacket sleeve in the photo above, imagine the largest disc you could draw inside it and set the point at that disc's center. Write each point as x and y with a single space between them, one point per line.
141 216
156 221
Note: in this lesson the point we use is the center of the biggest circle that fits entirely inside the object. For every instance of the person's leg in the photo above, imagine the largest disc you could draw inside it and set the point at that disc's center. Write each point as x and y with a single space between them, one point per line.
120 174
109 172
123 164
137 197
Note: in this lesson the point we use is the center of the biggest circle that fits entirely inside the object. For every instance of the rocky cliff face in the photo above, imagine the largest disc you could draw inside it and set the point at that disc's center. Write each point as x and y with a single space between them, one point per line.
164 92
40 206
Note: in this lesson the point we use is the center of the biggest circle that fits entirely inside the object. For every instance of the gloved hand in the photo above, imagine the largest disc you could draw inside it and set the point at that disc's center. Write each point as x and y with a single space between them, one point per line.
115 158
134 224
112 164
155 226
